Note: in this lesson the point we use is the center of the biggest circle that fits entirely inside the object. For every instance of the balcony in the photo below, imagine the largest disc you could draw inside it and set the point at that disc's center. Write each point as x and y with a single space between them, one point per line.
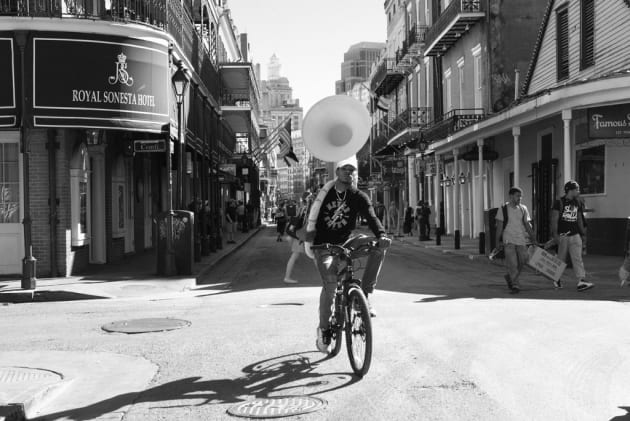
387 76
409 53
456 19
401 130
168 16
452 122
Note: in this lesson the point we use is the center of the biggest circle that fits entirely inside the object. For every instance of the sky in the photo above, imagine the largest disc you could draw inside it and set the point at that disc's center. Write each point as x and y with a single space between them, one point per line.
309 37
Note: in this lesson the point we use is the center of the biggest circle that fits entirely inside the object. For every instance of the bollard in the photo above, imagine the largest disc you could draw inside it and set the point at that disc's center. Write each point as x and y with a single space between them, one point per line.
482 243
438 236
457 240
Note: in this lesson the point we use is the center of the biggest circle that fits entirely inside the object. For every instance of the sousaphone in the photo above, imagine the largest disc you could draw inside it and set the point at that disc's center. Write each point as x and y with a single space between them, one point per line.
336 127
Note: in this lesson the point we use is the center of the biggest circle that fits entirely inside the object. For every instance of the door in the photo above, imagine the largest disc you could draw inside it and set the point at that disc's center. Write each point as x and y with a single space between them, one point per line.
11 204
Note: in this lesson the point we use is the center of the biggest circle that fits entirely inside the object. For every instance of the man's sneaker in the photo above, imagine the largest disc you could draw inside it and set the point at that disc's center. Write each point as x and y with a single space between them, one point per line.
320 343
583 285
508 281
557 284
515 289
624 275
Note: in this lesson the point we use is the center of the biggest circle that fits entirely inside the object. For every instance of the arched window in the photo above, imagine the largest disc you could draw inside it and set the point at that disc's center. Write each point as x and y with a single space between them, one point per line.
80 196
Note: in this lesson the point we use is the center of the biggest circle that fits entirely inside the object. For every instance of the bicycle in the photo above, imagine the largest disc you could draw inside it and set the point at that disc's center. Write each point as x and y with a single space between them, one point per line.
351 310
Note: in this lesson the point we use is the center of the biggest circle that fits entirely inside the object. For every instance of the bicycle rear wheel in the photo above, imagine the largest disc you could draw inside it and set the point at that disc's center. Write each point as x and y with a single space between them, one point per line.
359 332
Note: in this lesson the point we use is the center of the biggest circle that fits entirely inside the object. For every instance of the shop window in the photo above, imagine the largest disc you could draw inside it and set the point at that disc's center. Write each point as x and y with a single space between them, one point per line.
9 184
591 169
79 196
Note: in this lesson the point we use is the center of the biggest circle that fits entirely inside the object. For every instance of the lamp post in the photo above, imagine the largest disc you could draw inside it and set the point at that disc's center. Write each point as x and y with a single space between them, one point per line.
180 82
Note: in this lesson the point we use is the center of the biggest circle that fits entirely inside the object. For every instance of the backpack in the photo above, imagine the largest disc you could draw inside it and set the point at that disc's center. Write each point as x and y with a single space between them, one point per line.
291 210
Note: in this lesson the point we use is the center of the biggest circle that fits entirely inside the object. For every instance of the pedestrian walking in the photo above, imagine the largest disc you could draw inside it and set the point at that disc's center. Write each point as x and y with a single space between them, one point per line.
240 214
514 233
331 220
296 243
379 208
230 221
624 270
567 228
281 220
408 221
423 213
392 217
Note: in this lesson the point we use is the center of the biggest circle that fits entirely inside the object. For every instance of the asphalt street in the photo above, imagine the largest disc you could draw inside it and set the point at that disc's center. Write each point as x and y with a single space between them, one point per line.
450 344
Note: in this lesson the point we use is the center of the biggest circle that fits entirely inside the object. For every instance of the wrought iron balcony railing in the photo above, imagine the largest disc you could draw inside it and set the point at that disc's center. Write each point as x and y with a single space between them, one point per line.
452 23
452 122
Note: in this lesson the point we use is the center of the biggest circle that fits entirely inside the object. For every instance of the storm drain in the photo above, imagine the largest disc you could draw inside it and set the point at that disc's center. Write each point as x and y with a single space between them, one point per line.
277 407
145 325
30 375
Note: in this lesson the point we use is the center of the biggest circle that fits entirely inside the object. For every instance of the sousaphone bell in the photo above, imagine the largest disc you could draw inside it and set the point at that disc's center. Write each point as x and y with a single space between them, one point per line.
336 127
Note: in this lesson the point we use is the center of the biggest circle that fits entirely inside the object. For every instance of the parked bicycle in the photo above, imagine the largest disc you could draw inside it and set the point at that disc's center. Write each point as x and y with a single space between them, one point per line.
351 310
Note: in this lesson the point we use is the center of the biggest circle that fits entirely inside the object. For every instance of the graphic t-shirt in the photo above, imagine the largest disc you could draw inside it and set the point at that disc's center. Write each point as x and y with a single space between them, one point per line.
569 213
338 214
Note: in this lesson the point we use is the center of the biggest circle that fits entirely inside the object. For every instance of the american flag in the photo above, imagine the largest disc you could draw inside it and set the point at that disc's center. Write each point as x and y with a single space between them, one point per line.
284 141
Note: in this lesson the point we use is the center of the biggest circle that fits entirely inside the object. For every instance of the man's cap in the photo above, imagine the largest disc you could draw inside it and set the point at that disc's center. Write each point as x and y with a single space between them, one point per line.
348 161
571 185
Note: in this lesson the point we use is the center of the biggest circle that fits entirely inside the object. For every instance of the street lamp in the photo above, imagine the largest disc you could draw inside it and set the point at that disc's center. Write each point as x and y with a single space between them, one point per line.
462 178
180 83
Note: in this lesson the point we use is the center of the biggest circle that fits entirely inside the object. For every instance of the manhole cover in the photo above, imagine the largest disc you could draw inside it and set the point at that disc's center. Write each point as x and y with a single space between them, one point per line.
277 407
23 374
145 325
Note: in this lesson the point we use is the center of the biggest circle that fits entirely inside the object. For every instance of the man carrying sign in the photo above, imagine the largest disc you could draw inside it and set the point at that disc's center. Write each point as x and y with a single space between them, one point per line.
567 228
514 233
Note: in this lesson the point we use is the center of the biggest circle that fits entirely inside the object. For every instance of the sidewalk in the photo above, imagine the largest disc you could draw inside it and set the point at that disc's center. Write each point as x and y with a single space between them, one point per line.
599 269
135 276
29 381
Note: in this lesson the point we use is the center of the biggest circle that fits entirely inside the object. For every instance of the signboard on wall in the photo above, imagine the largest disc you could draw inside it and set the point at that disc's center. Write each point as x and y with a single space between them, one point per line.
105 82
7 84
609 122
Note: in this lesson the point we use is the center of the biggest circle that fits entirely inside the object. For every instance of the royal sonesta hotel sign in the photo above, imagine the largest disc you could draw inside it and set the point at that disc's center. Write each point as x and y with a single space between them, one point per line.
609 122
100 83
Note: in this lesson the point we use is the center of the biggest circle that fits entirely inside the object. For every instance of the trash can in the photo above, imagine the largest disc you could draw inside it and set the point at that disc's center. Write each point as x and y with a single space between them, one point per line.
490 228
183 241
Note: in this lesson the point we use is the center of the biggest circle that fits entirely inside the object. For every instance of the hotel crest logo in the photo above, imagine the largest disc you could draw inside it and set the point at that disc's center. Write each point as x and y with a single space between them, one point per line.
121 76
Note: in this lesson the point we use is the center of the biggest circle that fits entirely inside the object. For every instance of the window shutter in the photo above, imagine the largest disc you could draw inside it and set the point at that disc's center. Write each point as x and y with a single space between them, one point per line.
588 34
562 40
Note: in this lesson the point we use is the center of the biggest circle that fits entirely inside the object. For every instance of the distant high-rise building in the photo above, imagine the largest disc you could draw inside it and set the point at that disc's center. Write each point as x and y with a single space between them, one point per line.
357 64
277 104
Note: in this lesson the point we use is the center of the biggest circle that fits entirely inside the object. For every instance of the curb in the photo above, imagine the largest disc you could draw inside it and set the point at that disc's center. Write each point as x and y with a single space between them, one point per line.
211 265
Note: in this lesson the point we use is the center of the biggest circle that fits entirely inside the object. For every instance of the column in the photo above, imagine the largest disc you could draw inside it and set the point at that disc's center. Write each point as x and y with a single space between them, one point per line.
480 188
516 132
457 214
566 150
436 191
98 242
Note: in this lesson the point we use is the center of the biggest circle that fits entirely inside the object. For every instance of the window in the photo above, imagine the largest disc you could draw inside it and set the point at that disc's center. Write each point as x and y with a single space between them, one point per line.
9 184
562 43
587 56
79 196
590 169
448 90
460 80
477 74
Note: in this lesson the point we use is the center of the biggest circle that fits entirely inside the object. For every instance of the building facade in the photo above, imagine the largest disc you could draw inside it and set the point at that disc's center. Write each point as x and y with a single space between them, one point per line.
88 111
357 65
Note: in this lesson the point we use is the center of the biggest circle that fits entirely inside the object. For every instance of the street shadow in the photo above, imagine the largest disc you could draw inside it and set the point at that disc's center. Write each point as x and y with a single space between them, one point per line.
287 375
624 417
48 296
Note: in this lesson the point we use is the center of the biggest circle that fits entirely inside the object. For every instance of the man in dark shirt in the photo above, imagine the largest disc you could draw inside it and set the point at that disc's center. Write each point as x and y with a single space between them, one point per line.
336 217
567 227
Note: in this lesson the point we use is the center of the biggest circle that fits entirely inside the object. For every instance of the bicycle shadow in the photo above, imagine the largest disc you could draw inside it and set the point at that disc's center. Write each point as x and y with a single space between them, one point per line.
286 375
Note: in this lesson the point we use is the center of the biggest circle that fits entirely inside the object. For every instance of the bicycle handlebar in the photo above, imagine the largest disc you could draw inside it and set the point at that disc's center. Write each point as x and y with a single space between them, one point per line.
338 249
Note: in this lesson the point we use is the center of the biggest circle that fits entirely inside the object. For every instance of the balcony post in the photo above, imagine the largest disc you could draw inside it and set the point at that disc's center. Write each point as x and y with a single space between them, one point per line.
456 191
516 132
481 197
566 155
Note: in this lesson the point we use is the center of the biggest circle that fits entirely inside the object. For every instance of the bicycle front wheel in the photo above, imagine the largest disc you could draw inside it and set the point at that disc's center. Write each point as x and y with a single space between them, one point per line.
359 332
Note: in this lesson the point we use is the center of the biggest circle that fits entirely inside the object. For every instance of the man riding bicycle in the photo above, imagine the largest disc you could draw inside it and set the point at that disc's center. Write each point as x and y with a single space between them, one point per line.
331 220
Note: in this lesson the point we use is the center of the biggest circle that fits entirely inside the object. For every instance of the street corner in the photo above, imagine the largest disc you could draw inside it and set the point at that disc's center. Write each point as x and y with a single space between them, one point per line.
72 384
